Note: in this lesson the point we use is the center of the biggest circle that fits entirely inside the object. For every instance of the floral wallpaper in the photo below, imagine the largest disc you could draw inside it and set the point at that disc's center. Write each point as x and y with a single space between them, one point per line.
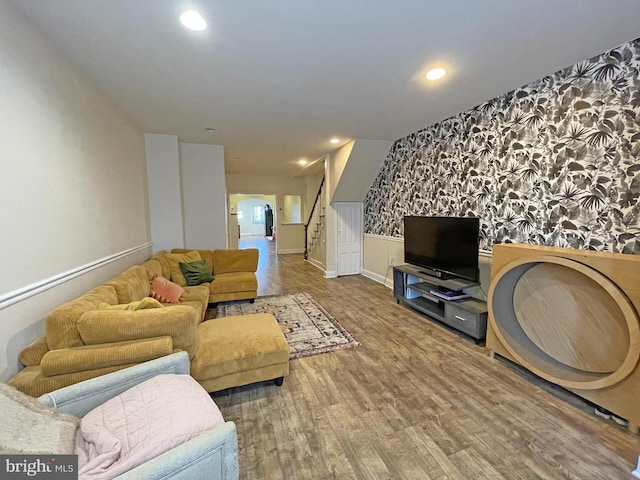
556 162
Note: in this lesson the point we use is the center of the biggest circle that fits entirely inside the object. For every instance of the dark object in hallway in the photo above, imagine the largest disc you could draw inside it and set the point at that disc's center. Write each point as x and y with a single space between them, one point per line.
268 221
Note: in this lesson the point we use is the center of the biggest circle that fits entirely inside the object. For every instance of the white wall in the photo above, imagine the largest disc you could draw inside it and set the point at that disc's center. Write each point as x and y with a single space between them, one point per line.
292 209
312 185
360 169
203 194
381 252
335 164
73 184
187 193
165 195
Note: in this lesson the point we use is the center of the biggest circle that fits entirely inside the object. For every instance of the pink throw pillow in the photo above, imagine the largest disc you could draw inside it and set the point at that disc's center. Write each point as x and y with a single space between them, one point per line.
166 291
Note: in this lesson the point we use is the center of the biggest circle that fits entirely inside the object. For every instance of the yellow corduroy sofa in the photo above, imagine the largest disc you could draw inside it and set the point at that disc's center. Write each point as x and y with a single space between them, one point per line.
83 341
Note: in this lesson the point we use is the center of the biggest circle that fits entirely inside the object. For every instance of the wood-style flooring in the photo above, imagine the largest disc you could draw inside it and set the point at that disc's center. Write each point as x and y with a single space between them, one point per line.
413 401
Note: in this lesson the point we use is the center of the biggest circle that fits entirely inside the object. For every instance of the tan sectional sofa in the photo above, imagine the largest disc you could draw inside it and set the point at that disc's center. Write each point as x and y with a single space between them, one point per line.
83 341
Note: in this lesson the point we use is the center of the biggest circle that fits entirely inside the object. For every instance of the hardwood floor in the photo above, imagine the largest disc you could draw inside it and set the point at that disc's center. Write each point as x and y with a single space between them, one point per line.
413 401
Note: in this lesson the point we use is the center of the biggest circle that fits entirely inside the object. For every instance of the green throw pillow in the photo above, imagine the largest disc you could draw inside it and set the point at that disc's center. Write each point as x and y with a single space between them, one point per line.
196 272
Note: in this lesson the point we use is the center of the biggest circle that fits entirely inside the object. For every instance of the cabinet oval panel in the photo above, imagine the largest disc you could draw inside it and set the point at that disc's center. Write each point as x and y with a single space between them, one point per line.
571 318
565 321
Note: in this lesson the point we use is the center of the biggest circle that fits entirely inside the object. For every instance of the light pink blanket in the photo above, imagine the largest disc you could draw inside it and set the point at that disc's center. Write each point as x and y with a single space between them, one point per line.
142 423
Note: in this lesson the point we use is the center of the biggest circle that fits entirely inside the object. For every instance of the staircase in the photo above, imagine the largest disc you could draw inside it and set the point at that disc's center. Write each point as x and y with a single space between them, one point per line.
314 228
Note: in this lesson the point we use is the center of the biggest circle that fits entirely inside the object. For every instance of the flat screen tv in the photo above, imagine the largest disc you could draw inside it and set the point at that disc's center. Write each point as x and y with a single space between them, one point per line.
446 247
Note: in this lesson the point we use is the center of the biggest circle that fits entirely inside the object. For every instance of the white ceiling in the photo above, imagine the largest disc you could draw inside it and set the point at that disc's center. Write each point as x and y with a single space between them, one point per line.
278 78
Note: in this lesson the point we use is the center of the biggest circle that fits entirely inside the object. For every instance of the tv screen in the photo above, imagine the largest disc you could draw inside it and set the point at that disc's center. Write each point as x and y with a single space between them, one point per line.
448 246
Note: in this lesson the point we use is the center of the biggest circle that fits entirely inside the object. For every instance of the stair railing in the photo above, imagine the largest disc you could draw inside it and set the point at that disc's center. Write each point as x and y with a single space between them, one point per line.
306 226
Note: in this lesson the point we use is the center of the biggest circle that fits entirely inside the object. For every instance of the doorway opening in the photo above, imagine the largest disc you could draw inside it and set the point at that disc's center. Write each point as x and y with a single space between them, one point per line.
253 216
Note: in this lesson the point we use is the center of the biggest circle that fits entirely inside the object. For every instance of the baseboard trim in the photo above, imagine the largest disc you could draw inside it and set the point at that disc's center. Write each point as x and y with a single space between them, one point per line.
20 294
287 251
330 274
376 277
315 263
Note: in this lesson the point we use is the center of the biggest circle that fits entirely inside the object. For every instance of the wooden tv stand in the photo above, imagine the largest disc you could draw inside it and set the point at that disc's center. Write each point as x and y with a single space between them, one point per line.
411 288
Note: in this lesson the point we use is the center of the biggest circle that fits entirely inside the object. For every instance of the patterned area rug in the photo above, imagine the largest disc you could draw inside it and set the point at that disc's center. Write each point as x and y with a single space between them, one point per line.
308 327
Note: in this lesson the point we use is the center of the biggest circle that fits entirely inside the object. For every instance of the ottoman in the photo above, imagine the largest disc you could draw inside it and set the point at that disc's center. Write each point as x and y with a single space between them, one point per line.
238 350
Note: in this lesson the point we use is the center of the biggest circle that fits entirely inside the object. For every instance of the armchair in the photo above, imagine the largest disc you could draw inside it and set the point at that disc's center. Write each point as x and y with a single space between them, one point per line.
211 455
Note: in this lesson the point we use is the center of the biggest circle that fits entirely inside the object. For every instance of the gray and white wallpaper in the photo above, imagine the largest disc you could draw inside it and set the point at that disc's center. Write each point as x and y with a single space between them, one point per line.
556 162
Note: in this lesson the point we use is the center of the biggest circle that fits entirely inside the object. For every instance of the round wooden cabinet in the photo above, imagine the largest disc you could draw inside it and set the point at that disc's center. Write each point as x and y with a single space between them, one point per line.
571 317
565 321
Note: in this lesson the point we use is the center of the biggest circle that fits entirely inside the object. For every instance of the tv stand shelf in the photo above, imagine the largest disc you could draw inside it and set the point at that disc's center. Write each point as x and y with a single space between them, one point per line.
412 288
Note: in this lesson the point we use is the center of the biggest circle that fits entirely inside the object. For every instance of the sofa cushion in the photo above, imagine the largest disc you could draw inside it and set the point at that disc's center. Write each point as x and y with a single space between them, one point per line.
153 268
29 427
131 285
174 262
101 294
33 382
231 261
32 354
199 295
196 273
62 323
107 326
161 258
146 302
234 282
197 306
142 423
166 291
206 255
93 357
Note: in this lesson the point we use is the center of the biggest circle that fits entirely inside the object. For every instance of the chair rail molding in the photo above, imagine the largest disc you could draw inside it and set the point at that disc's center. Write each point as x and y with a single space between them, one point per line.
28 291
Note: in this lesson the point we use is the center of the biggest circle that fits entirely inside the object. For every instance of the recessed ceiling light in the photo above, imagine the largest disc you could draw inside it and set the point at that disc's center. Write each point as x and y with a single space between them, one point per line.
436 74
335 140
193 20
210 130
302 161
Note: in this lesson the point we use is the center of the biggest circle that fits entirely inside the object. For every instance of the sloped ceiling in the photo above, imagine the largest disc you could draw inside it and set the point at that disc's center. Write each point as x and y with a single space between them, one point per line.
278 78
360 169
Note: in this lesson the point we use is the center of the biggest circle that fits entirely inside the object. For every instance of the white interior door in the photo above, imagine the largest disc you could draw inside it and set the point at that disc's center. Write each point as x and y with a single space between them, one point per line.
349 238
